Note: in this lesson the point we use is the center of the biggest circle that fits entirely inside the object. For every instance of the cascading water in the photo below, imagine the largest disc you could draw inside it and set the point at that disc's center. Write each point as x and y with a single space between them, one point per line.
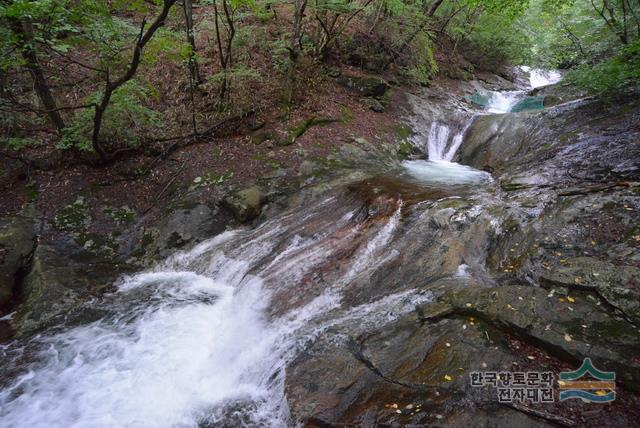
204 339
441 148
503 102
441 145
539 78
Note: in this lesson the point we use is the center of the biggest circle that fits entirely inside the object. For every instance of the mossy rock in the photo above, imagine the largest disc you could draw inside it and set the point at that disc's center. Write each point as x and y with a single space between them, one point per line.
245 205
74 217
298 130
368 86
260 137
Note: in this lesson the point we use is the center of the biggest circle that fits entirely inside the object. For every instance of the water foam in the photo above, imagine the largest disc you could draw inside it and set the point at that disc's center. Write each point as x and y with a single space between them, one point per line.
190 343
444 172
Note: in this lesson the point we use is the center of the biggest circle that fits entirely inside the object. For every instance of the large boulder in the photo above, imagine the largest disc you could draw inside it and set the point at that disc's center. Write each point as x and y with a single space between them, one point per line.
187 224
62 276
368 86
17 242
245 205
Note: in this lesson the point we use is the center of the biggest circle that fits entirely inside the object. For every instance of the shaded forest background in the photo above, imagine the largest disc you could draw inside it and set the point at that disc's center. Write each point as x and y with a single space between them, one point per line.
96 79
130 104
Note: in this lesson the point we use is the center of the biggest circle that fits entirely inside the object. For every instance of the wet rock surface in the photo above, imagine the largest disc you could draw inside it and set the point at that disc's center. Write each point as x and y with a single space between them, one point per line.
17 243
550 277
62 275
246 204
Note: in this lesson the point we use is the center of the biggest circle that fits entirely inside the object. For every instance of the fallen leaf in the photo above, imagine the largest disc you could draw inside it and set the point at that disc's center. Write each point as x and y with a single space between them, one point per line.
568 337
447 377
571 299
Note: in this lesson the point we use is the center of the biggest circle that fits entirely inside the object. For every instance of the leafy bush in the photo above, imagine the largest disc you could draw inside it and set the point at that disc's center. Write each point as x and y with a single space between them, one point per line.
238 80
612 76
17 144
125 120
423 66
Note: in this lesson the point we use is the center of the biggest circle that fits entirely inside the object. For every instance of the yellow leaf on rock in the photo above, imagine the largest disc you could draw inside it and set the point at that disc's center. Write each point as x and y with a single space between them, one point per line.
447 377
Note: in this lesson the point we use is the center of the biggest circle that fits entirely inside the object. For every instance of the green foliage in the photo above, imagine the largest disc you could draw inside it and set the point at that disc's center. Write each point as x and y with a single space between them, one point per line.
612 76
49 19
493 36
125 120
16 144
423 67
238 80
169 45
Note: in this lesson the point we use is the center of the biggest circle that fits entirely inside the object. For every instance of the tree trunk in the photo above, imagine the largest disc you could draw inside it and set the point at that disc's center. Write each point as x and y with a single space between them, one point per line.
193 62
294 50
428 14
24 30
112 86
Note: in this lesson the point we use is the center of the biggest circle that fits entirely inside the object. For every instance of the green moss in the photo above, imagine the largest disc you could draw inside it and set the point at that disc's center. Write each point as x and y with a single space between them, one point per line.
347 115
148 238
210 179
298 130
403 131
267 161
509 186
122 215
405 149
32 191
74 217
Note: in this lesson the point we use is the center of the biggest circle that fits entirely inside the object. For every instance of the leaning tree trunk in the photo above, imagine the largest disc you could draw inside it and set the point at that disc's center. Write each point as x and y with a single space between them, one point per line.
112 86
428 14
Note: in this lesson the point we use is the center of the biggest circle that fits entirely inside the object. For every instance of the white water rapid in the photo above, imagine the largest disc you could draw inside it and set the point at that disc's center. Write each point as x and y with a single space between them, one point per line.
502 102
441 146
200 340
539 78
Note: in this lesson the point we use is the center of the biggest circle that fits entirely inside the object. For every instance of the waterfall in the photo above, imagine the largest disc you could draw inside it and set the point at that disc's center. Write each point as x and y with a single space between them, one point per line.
502 102
539 78
205 338
440 145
